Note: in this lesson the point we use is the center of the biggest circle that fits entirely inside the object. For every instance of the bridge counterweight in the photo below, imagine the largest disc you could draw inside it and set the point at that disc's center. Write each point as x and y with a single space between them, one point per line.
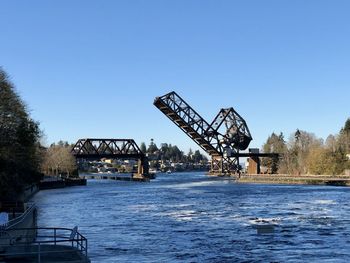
228 132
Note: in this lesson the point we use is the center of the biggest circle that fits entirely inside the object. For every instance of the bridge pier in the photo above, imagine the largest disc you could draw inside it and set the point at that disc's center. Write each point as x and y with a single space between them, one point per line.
253 165
224 165
92 148
142 168
216 165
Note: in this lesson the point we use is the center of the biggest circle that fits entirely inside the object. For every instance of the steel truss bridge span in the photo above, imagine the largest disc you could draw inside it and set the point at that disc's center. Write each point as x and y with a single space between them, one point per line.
222 139
92 148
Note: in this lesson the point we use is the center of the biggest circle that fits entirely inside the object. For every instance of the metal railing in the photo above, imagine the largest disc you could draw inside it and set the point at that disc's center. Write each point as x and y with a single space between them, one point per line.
17 217
48 241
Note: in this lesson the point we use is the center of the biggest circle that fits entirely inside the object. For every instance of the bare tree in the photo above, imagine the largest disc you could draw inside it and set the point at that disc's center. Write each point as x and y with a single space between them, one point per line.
58 159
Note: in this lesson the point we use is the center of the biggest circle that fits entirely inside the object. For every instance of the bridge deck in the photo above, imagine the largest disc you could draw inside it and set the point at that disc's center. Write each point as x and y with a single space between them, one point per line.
187 119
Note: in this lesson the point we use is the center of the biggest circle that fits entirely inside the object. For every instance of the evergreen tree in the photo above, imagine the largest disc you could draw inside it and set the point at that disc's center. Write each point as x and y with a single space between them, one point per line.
274 144
143 147
344 137
190 158
152 148
19 142
347 126
197 157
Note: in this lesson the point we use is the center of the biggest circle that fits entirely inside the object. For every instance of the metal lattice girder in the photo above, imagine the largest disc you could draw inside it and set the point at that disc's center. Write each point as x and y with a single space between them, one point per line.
107 148
222 139
231 129
227 131
187 119
222 165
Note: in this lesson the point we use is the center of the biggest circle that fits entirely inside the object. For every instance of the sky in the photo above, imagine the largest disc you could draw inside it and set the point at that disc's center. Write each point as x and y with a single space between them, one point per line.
91 69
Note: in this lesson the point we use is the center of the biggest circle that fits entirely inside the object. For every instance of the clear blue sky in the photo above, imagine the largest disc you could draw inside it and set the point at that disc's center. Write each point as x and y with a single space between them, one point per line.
93 68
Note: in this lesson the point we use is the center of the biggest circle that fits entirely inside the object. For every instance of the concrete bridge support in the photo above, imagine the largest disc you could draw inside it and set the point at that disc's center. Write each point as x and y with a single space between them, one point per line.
142 168
253 165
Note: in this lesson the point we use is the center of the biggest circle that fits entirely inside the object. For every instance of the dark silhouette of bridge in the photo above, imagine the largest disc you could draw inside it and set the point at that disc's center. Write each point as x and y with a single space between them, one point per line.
92 148
222 139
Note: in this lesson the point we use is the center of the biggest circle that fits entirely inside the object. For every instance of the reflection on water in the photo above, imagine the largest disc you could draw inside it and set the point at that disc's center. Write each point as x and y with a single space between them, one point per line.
188 217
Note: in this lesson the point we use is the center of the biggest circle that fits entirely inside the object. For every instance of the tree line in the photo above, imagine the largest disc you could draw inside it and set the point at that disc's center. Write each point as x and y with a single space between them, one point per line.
58 160
304 153
23 159
20 151
168 152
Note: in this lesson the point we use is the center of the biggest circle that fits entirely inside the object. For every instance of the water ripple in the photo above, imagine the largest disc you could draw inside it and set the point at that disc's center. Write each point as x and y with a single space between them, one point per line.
189 217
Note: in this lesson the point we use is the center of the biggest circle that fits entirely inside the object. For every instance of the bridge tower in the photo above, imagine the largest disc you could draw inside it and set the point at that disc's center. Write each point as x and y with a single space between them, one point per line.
222 139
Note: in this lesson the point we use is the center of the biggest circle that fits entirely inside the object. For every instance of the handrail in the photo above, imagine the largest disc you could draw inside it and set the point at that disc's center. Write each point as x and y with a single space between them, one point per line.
19 219
69 237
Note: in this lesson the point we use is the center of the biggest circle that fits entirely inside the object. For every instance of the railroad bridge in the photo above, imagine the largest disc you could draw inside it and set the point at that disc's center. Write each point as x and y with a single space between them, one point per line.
222 139
92 148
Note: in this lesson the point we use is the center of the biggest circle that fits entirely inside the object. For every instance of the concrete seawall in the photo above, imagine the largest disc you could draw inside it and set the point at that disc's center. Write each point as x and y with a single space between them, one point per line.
23 221
54 182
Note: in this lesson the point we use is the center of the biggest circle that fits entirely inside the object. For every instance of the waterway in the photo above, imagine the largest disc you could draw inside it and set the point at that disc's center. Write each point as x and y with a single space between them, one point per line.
189 217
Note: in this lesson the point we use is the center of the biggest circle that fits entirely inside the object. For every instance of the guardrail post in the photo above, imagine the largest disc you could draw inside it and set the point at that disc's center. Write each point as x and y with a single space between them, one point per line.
39 253
86 249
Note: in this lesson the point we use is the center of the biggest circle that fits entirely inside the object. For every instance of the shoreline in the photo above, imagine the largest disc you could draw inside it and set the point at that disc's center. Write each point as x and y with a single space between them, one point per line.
337 180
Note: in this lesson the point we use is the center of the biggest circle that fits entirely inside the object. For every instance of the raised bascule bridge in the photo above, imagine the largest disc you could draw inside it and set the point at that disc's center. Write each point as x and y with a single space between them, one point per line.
222 139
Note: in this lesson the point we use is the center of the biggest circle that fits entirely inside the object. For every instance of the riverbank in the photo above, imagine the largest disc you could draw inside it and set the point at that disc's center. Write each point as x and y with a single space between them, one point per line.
339 180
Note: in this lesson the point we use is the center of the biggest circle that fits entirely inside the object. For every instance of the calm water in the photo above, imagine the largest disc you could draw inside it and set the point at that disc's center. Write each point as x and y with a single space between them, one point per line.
188 217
